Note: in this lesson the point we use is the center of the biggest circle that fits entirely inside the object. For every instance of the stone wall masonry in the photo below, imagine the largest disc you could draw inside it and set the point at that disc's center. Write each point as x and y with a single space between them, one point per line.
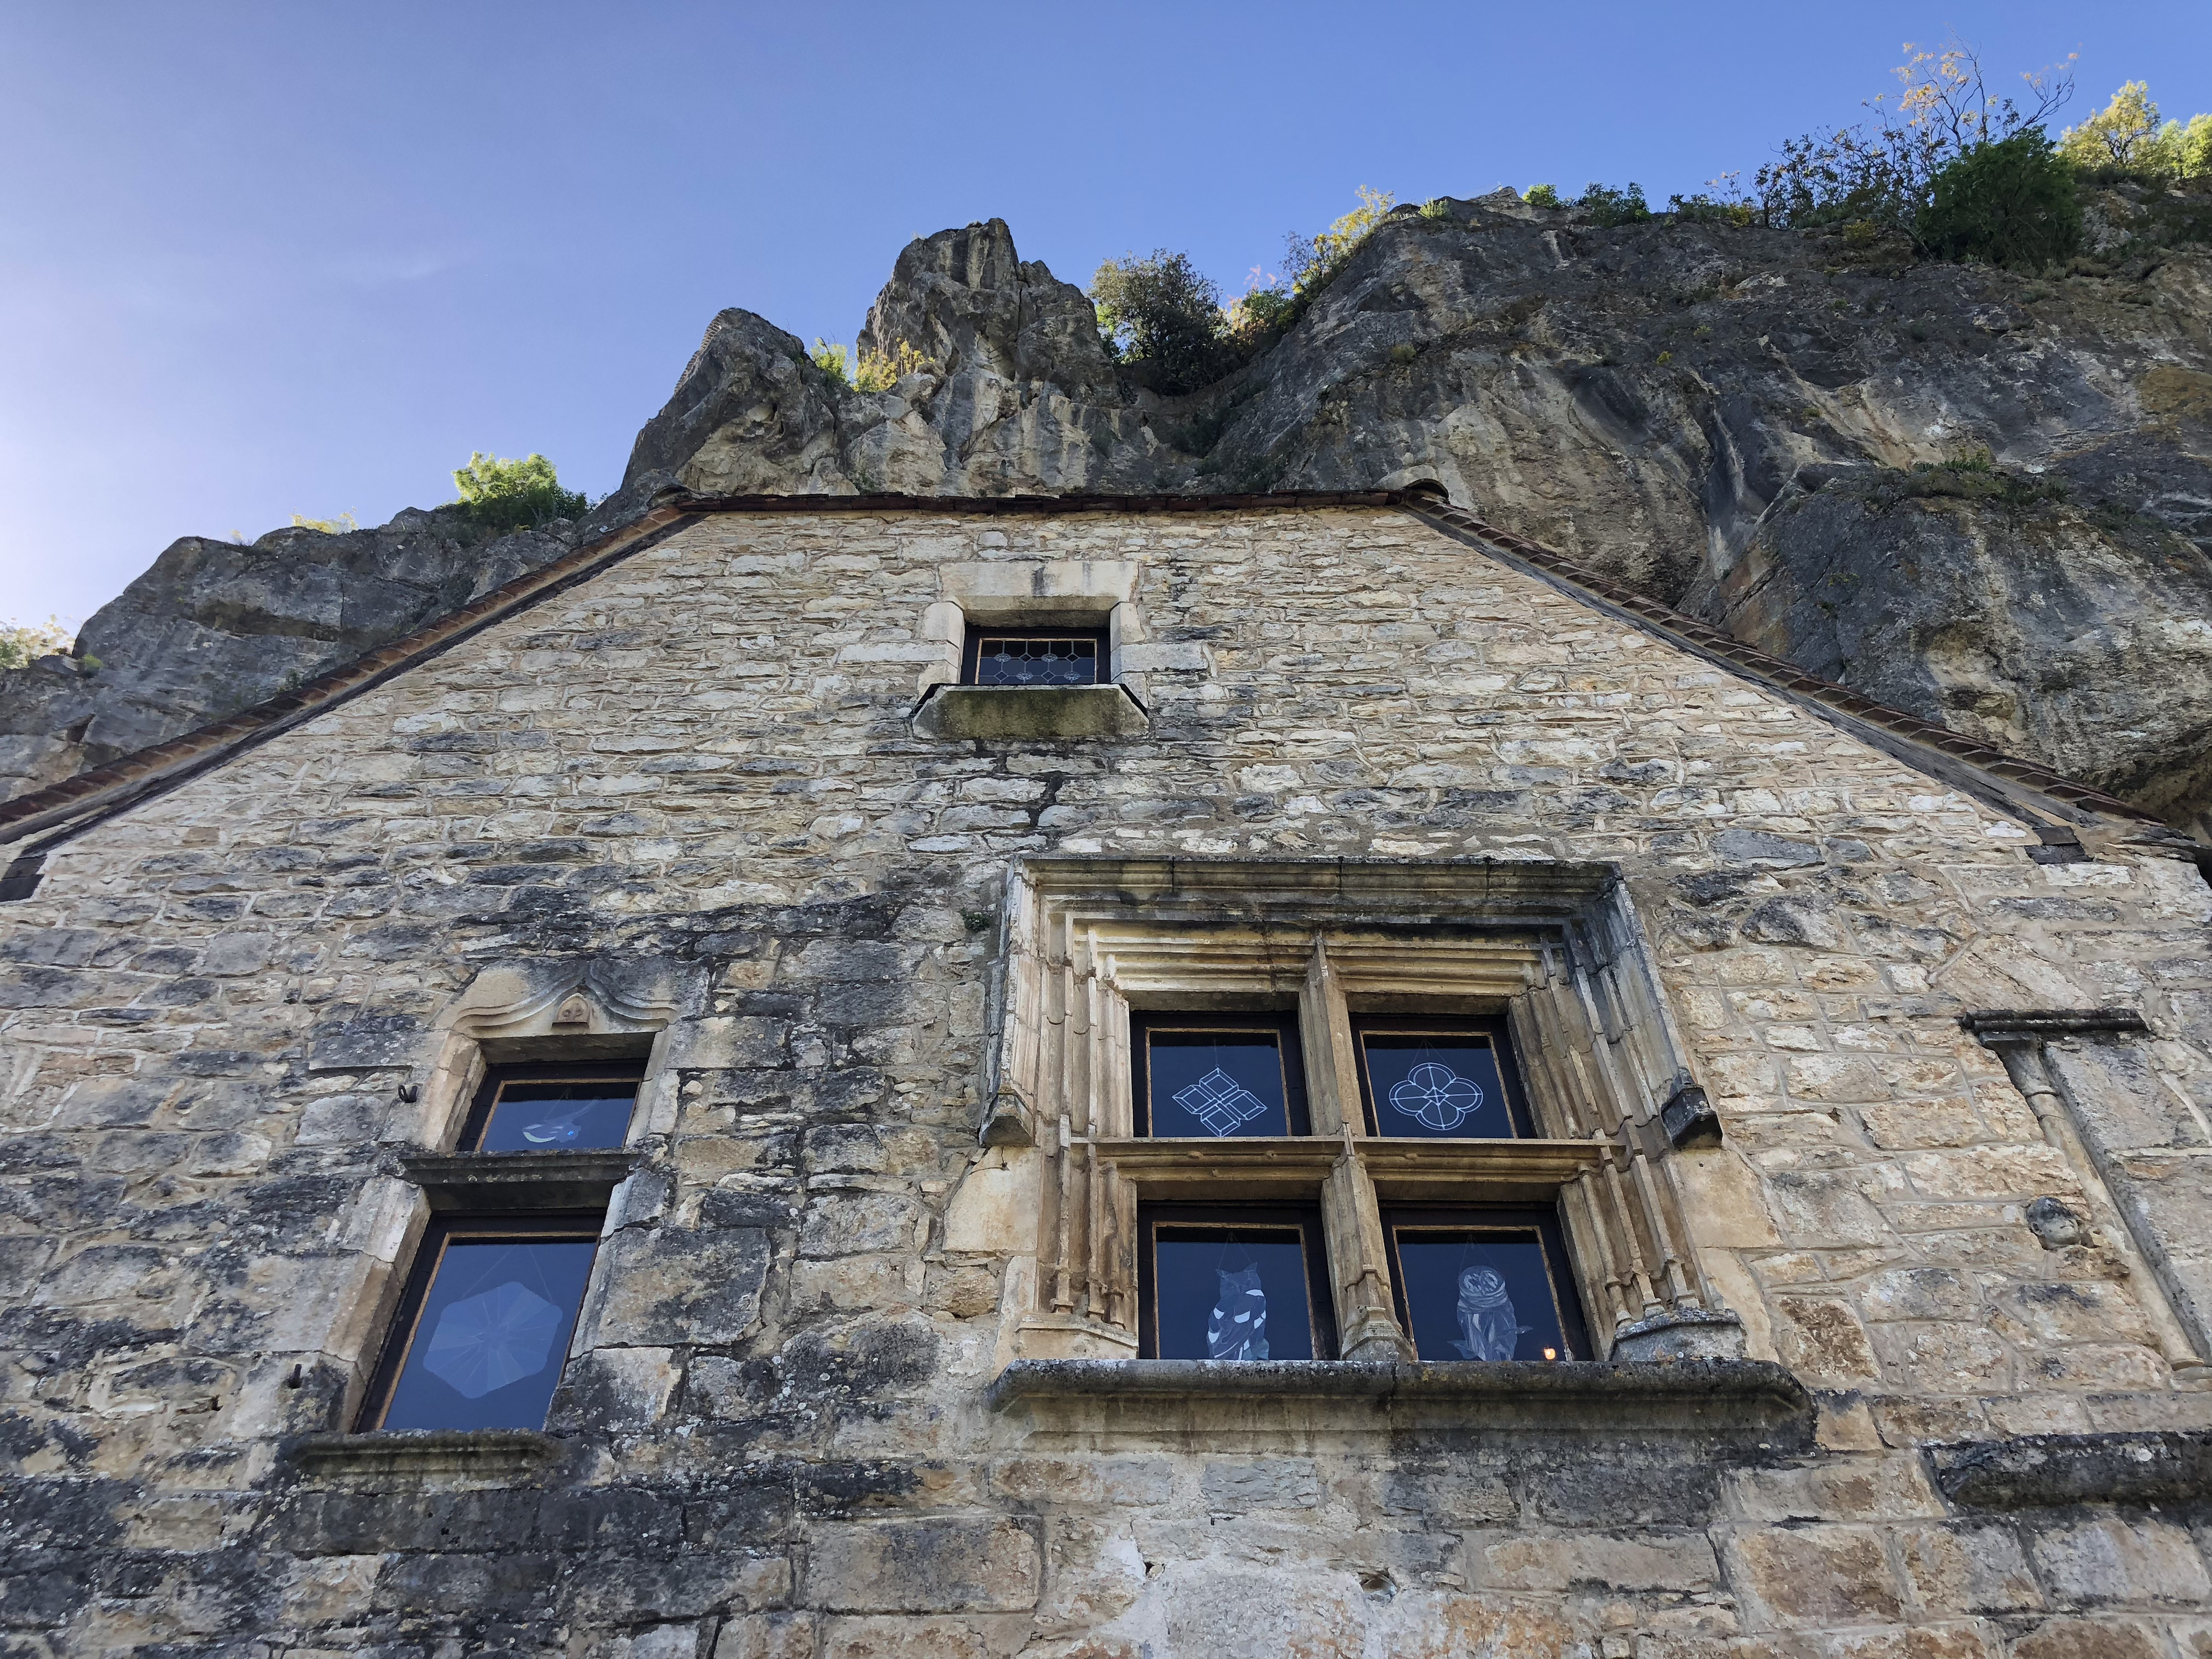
770 1441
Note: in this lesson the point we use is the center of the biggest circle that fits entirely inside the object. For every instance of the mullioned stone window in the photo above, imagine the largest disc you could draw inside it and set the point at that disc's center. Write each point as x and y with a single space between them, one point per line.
1318 984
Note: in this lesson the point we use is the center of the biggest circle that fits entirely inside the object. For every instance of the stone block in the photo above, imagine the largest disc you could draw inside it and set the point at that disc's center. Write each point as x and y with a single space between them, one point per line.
668 1287
983 1565
2089 1638
1814 1576
768 1635
354 1039
1822 1340
860 1224
1683 1564
2135 1560
1267 1483
1967 1570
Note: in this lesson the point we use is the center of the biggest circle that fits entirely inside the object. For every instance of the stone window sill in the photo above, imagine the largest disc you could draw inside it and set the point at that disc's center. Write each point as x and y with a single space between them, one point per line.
518 1180
471 1452
1724 1398
1030 712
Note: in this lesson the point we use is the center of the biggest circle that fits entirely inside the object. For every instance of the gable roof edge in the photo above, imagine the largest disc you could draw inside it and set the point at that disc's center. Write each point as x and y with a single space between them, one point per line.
61 811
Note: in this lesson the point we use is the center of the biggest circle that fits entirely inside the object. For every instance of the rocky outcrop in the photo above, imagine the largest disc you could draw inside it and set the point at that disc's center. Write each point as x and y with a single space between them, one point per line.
1726 417
218 626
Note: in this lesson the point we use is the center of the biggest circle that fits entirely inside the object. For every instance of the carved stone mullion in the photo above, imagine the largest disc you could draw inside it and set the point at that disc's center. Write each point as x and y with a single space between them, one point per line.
1679 1293
1632 1247
1063 1298
1325 1036
1073 1039
1093 1236
1575 1054
1541 1039
1121 1259
1590 1233
1351 1220
1617 1089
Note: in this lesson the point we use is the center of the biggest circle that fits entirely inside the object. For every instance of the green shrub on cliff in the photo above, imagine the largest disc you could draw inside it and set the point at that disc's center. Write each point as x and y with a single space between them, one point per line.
1607 207
503 496
2009 203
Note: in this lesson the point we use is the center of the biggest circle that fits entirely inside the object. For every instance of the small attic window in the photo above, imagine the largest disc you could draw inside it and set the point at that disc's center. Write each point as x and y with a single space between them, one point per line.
1034 656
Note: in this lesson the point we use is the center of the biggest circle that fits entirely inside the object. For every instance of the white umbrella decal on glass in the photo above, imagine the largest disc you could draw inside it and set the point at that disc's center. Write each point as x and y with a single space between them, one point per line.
487 1341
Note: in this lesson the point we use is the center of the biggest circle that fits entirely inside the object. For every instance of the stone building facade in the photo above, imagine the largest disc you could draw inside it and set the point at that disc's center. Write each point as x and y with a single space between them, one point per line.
1857 1079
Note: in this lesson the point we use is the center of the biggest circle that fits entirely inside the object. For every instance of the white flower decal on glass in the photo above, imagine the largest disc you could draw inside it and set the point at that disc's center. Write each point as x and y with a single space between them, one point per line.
1437 1096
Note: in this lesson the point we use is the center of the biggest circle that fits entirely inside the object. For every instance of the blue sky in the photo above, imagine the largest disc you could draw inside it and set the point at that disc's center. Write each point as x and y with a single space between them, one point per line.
261 259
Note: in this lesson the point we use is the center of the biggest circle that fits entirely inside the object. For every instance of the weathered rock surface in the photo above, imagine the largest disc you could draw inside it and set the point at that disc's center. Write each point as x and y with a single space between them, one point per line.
1648 398
216 626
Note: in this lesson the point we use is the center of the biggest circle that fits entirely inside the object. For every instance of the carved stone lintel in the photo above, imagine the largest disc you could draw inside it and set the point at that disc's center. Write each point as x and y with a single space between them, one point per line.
1007 1121
1689 1118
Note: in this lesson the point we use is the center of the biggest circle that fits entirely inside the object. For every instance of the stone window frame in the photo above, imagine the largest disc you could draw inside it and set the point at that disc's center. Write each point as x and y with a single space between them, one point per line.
1554 948
1090 594
511 1013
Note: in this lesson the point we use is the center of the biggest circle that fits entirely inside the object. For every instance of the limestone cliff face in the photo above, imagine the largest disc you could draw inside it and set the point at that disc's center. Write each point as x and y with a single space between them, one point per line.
1725 417
218 626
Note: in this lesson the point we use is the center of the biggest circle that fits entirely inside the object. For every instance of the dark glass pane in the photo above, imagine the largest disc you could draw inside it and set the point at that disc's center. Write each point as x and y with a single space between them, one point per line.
487 1348
1479 1296
1004 662
1216 1083
1435 1086
542 1117
1223 1294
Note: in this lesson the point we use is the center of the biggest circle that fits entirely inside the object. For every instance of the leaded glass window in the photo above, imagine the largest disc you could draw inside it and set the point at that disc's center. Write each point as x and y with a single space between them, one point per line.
1034 656
1438 1079
1477 1284
552 1108
485 1323
1210 1076
1235 1283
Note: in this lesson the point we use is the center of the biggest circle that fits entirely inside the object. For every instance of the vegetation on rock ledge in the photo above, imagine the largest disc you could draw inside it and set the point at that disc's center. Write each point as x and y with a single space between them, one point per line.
503 496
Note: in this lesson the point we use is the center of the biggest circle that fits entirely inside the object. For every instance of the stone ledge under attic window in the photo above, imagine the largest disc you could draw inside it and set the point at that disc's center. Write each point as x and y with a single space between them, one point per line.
518 1180
1732 1400
1018 714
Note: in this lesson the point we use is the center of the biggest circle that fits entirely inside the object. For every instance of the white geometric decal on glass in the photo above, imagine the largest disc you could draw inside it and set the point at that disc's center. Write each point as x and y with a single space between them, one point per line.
486 1342
1220 1102
1439 1097
1486 1315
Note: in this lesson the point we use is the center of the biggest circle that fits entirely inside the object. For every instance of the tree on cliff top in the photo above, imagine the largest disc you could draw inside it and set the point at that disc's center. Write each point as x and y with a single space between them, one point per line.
503 496
2128 135
23 643
1163 311
1885 174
